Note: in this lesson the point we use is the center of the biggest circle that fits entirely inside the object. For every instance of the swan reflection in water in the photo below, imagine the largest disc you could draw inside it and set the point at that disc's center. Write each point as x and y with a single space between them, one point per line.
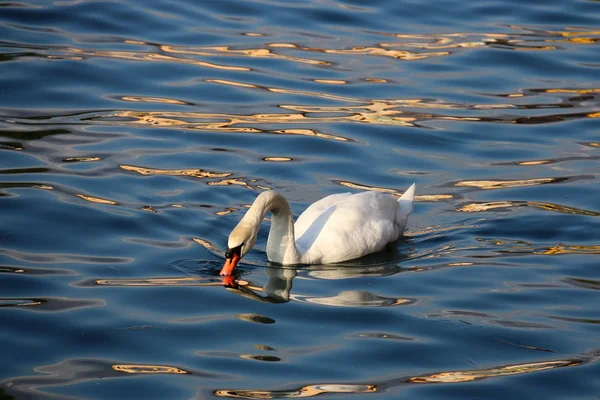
278 288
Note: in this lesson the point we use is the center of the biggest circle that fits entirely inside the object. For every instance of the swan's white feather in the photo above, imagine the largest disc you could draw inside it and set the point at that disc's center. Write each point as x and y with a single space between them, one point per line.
337 228
346 226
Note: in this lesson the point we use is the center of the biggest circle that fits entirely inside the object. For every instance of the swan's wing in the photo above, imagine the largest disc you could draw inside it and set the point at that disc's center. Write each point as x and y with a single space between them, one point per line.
351 227
315 210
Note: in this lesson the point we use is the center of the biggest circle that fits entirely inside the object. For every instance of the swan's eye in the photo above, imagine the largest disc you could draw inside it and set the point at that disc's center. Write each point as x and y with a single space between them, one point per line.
236 250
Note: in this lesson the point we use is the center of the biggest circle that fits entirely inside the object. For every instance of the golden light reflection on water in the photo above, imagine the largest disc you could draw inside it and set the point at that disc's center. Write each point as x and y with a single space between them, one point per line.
372 111
502 184
472 375
578 91
581 40
147 369
397 112
153 57
493 205
304 391
146 99
529 163
576 32
41 186
97 200
442 377
228 182
249 53
226 211
233 83
311 132
362 110
570 249
422 197
381 50
277 159
195 173
331 81
402 48
467 40
385 51
224 122
537 162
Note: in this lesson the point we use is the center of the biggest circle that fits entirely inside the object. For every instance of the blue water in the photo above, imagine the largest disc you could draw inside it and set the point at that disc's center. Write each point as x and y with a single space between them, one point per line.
133 135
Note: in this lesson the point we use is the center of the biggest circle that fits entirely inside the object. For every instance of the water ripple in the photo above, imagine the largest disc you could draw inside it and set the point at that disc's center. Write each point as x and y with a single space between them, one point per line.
78 371
442 377
134 135
50 304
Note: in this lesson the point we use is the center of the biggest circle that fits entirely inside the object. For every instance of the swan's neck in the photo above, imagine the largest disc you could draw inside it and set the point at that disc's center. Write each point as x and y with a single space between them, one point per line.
281 244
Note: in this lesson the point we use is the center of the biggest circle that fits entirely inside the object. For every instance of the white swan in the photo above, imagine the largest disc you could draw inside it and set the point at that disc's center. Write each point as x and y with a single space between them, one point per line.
336 228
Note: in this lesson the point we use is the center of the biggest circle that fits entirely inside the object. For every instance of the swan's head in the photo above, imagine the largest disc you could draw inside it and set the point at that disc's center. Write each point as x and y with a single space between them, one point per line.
241 240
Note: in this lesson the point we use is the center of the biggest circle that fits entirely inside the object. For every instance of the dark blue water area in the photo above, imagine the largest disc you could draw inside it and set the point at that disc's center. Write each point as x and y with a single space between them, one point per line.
135 135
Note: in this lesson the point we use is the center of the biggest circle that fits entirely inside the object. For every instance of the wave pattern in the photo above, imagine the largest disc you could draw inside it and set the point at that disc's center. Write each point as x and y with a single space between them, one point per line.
134 135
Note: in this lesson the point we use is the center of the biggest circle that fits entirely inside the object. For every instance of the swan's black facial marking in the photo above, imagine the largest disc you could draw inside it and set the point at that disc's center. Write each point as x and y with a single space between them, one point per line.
236 250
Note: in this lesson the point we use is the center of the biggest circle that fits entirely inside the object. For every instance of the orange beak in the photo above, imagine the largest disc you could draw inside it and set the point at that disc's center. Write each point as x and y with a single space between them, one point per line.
230 264
229 281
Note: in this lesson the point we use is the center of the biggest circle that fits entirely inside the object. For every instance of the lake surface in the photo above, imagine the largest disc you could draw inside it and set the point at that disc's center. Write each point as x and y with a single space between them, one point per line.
134 135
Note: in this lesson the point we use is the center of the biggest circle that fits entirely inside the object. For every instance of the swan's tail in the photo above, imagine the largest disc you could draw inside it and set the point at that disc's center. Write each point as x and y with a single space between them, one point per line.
405 207
409 195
